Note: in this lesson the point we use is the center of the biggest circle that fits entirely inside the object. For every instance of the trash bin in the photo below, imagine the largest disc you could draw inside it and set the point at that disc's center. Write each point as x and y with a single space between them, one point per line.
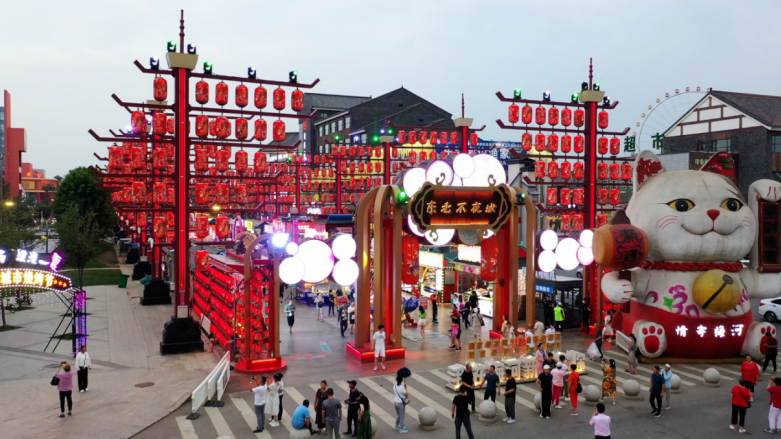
123 280
146 280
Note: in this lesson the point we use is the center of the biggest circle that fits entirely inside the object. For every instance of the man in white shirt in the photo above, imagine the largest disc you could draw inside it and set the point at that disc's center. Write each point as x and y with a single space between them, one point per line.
601 423
83 366
258 387
550 331
539 327
378 344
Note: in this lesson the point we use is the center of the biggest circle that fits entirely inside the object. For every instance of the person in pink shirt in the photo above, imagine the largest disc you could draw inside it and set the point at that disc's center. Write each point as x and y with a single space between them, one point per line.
601 423
774 415
558 384
65 386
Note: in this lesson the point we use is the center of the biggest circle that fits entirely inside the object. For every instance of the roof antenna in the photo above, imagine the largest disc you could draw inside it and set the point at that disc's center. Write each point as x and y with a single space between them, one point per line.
462 105
181 33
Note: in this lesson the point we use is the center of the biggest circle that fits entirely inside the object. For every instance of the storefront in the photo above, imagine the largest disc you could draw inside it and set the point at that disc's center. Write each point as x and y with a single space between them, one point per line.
567 290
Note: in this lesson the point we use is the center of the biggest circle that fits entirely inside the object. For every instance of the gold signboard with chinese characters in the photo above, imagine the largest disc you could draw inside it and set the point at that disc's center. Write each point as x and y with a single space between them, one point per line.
31 278
448 207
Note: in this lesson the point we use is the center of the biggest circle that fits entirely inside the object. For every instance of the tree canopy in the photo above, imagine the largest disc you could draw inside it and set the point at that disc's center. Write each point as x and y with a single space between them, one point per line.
80 188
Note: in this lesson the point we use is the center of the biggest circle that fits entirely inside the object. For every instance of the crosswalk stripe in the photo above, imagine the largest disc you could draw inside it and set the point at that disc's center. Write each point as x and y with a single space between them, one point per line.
186 428
386 394
374 409
416 395
724 369
218 421
649 371
285 421
299 399
518 398
249 416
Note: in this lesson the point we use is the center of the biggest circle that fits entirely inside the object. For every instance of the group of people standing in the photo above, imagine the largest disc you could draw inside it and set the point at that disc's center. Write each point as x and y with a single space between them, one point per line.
466 314
63 379
268 399
339 305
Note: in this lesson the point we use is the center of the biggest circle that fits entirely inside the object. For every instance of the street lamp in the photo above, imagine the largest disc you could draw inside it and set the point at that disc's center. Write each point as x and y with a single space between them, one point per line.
9 203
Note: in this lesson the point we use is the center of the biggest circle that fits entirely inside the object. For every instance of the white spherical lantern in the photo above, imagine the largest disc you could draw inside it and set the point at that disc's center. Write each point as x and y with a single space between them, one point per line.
486 165
546 262
317 258
585 255
291 248
345 272
414 227
412 180
548 240
567 254
291 271
439 172
463 165
343 246
586 238
440 237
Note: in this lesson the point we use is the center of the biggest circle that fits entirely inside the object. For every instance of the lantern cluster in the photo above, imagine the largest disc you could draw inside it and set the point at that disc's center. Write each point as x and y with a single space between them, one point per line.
566 253
313 261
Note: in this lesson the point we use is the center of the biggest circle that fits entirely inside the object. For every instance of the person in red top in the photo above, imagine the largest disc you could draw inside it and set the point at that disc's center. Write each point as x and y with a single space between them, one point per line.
749 371
573 380
774 415
740 402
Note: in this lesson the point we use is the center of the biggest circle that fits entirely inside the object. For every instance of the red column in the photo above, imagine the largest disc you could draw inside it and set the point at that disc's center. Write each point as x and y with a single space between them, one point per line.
465 139
338 174
386 164
590 275
391 315
181 184
298 185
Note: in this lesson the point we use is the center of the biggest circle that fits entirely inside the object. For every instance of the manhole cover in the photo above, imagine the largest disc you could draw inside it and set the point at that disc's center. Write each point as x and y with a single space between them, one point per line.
142 385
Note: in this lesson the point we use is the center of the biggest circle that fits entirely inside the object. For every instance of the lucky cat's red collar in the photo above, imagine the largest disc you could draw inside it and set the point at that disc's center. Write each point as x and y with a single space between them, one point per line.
732 267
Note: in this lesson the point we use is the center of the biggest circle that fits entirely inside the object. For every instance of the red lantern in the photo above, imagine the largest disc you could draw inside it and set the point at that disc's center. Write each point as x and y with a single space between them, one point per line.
514 113
566 221
615 146
526 142
223 127
261 130
378 168
201 160
222 193
394 152
201 197
566 117
142 220
259 161
553 169
158 227
553 196
395 167
539 115
579 144
241 194
413 137
114 158
261 97
602 145
202 259
580 116
473 138
489 259
202 92
159 124
577 170
242 95
171 197
601 219
402 136
602 171
602 196
242 160
577 221
159 158
453 138
566 143
539 169
221 226
566 170
359 151
577 197
213 127
553 116
602 119
297 100
242 128
202 126
423 156
279 99
127 194
615 196
138 159
615 171
138 193
553 143
566 196
361 167
443 138
423 137
412 157
160 86
626 171
170 125
539 142
138 122
221 94
526 114
378 152
279 129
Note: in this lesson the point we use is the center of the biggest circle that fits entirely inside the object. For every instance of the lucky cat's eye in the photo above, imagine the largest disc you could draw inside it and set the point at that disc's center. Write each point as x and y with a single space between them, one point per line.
681 205
732 204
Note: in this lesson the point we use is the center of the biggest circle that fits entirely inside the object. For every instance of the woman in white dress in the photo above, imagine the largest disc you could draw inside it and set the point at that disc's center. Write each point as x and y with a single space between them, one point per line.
477 325
608 332
272 402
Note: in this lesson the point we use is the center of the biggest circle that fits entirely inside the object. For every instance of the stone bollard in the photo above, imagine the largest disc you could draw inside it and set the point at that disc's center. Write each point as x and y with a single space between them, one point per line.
538 402
374 428
711 377
632 390
487 412
592 394
299 434
675 384
427 418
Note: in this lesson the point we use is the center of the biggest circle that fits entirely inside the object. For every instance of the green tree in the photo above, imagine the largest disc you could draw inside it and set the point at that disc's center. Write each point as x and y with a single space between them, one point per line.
80 188
15 232
79 235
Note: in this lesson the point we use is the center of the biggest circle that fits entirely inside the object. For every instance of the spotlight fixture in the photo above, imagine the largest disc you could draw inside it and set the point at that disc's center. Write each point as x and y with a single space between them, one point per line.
574 98
207 68
520 198
192 49
251 72
596 86
606 101
154 63
517 93
583 86
546 96
293 76
337 138
172 46
376 139
402 197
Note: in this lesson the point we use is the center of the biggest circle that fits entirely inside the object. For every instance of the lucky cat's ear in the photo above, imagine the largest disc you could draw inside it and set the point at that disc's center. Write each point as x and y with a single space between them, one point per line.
647 165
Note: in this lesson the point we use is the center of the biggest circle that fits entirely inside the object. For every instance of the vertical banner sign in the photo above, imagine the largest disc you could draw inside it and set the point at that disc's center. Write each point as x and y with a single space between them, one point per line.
769 237
489 259
410 248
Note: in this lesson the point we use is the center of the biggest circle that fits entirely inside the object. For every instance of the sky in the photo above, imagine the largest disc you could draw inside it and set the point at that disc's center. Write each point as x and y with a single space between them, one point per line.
63 60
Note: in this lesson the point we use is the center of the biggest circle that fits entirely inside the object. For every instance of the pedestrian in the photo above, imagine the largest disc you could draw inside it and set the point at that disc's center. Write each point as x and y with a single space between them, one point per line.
574 388
549 361
272 402
332 413
290 311
550 331
422 314
400 394
509 396
465 314
301 418
65 387
455 329
331 301
320 397
468 384
434 307
585 316
771 345
342 320
774 415
473 304
507 328
749 371
657 392
565 369
547 309
258 387
558 314
740 402
341 300
353 406
633 353
378 344
459 412
351 316
609 380
539 327
278 378
541 355
478 325
601 422
319 305
667 374
558 384
608 331
83 366
491 383
599 340
364 418
545 384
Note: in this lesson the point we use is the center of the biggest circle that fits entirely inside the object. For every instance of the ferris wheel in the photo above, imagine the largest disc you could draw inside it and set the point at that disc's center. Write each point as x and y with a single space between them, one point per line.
663 113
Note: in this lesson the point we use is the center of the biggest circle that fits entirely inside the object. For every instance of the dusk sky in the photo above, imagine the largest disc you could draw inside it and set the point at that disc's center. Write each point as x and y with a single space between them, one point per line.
63 60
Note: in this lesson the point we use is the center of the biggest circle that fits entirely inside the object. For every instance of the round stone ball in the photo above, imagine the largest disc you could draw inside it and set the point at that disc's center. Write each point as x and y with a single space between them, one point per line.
592 393
631 388
711 376
299 434
675 382
427 416
487 409
538 401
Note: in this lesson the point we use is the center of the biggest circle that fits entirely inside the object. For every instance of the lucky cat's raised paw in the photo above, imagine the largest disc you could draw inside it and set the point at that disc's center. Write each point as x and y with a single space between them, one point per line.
768 190
651 338
615 289
754 334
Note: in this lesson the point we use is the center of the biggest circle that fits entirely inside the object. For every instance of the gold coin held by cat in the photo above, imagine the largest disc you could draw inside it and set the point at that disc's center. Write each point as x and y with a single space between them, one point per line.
716 291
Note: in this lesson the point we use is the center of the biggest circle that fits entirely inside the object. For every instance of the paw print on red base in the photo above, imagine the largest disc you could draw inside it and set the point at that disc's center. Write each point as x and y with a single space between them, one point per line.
651 338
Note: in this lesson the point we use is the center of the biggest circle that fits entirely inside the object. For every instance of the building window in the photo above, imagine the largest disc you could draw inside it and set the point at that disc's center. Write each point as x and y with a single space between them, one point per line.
320 131
721 145
333 127
363 138
347 122
702 145
775 143
327 130
339 125
304 137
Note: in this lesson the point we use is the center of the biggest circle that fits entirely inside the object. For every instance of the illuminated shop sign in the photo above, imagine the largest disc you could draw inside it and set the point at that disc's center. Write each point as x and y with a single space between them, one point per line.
446 207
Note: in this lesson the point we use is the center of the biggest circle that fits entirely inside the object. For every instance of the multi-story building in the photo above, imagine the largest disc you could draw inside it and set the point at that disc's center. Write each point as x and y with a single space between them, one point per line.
328 106
13 145
36 184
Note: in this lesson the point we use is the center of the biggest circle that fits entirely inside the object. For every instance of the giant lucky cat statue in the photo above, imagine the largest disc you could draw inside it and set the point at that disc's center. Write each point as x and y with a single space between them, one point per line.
690 298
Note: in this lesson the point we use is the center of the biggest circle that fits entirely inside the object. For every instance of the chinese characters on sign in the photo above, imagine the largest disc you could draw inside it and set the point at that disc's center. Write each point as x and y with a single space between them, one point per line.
719 331
437 207
30 257
769 237
26 277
